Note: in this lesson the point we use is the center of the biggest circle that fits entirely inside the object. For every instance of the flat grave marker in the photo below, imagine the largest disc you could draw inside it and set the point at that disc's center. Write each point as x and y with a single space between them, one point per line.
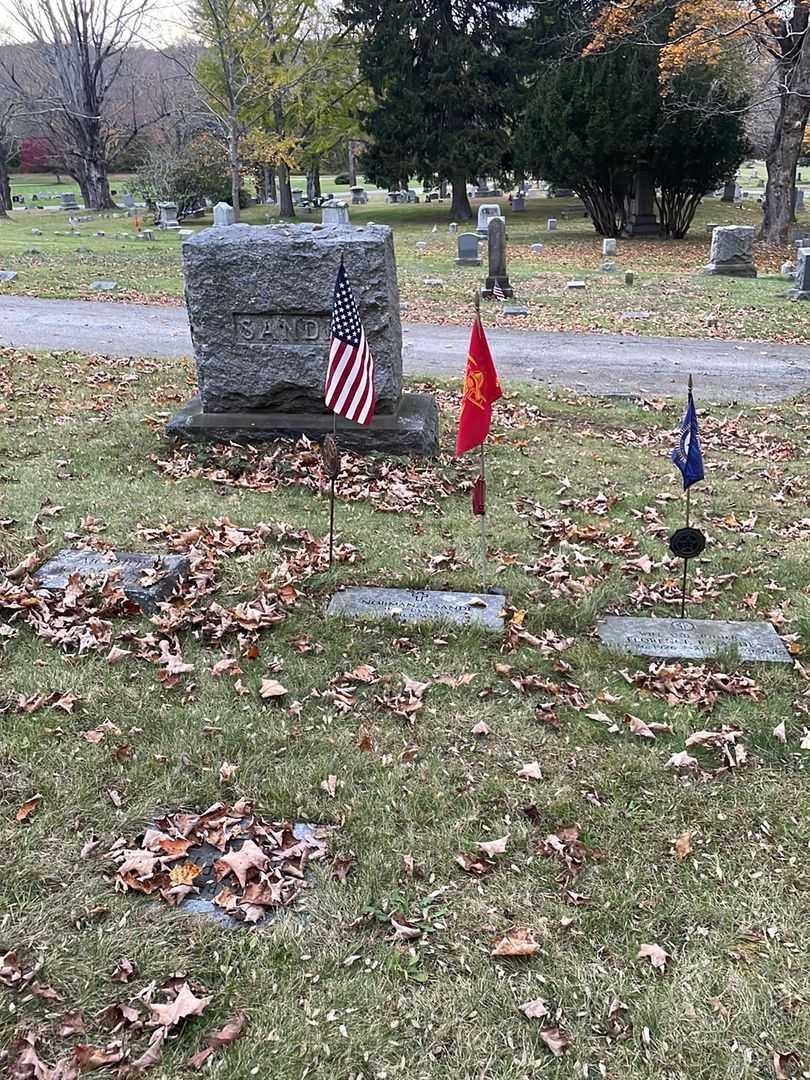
131 566
693 639
420 605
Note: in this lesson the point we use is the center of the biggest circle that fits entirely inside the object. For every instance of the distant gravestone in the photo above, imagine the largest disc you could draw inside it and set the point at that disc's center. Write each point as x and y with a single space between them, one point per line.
519 204
732 251
693 639
129 201
7 275
146 579
359 196
259 301
496 258
802 289
68 200
729 191
103 286
629 277
641 220
223 214
576 284
486 212
168 216
609 246
798 204
514 310
452 228
335 214
418 606
551 224
467 254
537 248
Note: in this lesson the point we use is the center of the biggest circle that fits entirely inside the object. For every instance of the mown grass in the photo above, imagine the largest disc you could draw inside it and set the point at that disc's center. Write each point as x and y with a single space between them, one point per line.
328 995
670 295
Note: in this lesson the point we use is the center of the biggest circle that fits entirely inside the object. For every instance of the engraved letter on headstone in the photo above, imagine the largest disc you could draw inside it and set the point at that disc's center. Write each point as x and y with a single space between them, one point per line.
416 606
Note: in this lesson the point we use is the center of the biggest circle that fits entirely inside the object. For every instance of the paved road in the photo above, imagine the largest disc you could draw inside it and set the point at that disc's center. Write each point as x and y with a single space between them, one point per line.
589 363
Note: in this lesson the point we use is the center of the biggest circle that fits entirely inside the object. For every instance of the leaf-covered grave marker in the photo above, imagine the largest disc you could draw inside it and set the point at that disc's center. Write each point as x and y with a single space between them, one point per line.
227 862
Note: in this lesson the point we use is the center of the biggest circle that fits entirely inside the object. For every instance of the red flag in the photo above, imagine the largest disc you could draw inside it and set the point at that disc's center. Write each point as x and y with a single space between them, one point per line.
481 389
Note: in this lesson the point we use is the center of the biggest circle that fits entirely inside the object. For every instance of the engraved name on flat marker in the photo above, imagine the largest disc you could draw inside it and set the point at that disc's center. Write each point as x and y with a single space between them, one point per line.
693 639
420 605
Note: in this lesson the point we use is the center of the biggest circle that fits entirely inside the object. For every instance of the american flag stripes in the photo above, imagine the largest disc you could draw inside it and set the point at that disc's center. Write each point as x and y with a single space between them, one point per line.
349 388
497 291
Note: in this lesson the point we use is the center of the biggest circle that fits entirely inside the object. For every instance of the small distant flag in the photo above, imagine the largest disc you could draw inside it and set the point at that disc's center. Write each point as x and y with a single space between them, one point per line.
481 389
349 390
497 291
687 455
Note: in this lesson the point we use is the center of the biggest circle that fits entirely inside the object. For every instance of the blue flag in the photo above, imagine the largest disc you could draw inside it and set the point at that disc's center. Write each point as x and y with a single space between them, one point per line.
687 455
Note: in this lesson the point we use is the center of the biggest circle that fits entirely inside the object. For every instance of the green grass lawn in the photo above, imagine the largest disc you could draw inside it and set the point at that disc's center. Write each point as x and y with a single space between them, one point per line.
582 498
669 291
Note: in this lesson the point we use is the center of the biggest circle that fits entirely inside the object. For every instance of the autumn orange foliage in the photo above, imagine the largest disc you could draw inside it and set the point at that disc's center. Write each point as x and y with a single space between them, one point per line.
696 34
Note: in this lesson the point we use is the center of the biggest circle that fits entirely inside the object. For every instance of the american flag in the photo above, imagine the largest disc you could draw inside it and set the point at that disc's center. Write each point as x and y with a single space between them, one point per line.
350 379
497 291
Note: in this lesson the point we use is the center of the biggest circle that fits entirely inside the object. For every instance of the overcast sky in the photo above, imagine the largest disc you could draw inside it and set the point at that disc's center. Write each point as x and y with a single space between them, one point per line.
167 21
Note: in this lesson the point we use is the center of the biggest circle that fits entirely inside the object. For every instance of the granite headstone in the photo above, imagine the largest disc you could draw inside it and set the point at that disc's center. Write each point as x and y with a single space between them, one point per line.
259 300
146 579
693 639
418 606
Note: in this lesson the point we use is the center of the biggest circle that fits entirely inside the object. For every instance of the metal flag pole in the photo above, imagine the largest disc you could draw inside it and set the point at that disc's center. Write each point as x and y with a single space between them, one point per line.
483 481
688 515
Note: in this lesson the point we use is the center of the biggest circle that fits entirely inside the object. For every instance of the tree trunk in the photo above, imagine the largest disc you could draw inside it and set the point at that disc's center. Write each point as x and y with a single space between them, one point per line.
352 165
91 176
313 183
272 194
233 163
285 203
5 186
786 146
460 209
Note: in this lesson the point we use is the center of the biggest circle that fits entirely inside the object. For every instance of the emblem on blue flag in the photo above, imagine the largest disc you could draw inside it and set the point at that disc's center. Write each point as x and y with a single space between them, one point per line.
687 455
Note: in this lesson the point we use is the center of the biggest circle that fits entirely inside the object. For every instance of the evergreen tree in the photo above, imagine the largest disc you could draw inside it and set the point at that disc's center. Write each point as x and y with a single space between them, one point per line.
445 77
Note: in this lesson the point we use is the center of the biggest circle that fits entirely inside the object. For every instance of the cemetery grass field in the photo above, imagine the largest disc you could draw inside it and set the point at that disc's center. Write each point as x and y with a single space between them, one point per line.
389 973
669 296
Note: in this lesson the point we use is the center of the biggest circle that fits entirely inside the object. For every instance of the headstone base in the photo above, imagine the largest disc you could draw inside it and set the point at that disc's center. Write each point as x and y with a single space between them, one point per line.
798 294
643 225
420 605
731 269
468 262
693 639
131 567
411 431
489 285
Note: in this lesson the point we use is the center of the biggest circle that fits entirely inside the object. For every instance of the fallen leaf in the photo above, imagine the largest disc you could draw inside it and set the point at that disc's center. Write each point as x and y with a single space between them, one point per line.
515 942
555 1040
249 857
683 845
535 1010
271 689
152 1054
224 1037
184 873
638 727
28 807
531 771
185 1004
124 970
494 847
481 729
329 785
657 956
91 1057
226 771
71 1024
780 733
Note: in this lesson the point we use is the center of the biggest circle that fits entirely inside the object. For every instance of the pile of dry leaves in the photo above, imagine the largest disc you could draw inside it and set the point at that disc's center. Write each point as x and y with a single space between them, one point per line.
241 863
389 485
692 684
